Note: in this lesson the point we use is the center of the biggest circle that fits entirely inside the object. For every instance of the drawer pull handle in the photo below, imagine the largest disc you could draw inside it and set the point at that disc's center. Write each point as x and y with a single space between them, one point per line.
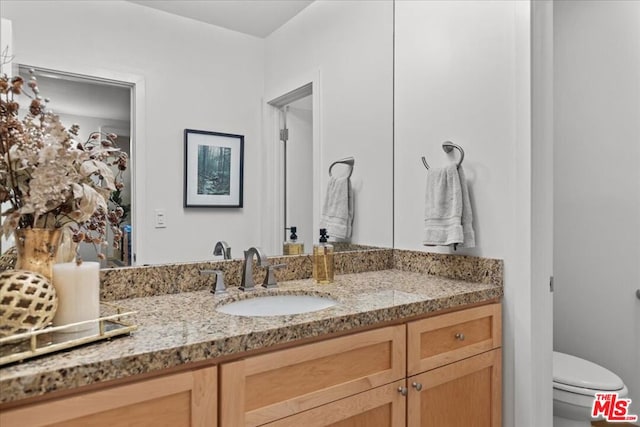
417 386
460 336
402 391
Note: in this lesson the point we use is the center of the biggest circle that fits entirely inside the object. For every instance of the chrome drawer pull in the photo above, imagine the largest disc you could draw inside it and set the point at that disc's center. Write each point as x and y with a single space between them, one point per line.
417 386
459 336
402 390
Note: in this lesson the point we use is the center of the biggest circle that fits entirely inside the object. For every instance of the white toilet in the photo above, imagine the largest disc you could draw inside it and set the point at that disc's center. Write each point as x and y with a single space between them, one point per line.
575 384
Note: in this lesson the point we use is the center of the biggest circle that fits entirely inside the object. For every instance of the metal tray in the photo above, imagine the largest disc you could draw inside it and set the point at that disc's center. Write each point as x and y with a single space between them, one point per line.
19 347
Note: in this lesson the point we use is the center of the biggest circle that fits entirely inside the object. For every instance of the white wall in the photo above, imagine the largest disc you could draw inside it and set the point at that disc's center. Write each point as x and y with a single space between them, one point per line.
597 185
455 81
196 76
350 43
6 46
463 73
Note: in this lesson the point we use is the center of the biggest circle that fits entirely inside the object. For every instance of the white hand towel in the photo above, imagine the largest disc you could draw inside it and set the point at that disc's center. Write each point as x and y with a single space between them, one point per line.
337 212
447 216
469 236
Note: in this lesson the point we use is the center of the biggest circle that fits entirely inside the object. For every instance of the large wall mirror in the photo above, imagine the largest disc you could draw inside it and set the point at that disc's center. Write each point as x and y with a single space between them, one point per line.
194 75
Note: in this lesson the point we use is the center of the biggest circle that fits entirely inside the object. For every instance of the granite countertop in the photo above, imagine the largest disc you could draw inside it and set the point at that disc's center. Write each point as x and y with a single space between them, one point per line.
176 329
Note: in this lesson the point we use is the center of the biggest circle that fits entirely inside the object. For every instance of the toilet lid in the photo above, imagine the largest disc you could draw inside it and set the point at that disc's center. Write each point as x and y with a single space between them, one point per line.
576 372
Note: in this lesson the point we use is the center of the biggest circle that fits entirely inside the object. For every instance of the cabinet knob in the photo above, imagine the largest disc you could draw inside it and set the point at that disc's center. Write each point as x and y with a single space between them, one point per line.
459 336
402 391
417 386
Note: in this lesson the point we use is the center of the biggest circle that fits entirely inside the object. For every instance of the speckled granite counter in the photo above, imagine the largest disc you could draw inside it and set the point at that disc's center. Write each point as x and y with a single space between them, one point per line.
176 329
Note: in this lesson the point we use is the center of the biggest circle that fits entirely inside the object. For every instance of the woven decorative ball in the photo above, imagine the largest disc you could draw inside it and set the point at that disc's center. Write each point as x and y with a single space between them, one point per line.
28 301
8 259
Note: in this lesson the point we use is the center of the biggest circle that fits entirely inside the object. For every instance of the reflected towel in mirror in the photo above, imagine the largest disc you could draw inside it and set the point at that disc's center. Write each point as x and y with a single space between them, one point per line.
337 211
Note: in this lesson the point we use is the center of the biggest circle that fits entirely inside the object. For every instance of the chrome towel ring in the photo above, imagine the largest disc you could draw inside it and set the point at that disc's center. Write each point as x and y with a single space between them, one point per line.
349 161
447 146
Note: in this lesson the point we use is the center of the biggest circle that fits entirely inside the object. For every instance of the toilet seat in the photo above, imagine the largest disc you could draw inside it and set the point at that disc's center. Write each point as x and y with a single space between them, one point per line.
576 375
591 392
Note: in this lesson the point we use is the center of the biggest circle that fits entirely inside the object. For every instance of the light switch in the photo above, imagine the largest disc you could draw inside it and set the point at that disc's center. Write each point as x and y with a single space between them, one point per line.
160 218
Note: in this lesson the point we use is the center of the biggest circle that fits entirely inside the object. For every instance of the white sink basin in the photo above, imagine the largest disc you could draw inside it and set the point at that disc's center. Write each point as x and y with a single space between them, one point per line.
277 305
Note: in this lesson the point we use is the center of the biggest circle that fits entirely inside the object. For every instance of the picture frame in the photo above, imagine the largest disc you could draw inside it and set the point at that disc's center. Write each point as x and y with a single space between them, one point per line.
213 169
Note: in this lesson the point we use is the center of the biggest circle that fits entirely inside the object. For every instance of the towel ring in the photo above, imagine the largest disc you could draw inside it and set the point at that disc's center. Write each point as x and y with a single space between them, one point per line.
447 146
349 161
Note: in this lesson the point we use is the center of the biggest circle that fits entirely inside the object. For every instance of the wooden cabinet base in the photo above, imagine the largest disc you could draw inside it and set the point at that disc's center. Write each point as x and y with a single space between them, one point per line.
187 399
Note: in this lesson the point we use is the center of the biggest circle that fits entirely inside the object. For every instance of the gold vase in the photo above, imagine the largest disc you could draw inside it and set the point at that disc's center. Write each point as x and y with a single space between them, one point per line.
67 249
38 249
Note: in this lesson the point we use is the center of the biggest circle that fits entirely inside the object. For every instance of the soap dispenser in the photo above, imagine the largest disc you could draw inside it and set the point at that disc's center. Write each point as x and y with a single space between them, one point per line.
323 259
293 246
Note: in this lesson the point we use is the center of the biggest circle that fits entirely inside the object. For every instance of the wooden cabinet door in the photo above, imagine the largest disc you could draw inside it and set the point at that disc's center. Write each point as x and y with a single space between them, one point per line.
268 387
186 399
383 406
462 394
439 340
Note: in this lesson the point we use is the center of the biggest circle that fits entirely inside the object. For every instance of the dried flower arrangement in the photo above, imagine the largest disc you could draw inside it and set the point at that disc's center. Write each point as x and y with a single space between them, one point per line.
50 179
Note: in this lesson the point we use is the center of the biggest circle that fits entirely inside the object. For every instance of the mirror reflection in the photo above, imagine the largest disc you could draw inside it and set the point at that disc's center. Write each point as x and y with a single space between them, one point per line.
95 105
298 173
202 76
296 137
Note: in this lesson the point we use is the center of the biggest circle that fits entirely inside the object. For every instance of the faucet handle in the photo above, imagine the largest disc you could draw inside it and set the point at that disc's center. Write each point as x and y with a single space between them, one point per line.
219 288
270 278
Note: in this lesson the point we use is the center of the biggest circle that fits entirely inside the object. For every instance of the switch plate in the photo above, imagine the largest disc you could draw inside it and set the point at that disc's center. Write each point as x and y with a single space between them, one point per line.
160 218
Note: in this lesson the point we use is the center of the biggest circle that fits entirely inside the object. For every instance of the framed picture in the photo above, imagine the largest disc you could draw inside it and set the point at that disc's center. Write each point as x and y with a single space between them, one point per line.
213 168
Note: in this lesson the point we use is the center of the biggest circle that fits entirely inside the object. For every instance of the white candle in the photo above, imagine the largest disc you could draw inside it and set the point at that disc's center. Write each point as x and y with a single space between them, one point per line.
78 289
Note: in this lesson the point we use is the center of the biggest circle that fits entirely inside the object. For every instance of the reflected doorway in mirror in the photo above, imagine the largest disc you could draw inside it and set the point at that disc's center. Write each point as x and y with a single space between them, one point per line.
292 120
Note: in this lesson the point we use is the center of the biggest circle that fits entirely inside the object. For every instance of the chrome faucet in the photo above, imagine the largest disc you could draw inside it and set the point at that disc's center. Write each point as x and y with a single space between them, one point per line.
247 275
222 248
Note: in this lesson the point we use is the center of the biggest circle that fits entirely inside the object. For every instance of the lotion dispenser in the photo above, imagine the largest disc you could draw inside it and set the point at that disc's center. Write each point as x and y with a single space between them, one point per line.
323 259
293 246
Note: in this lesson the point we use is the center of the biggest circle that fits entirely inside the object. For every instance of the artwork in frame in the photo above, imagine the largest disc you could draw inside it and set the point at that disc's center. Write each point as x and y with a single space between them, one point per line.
213 169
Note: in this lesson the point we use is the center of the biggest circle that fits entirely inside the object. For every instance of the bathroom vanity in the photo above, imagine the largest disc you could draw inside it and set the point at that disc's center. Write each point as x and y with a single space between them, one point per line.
401 348
430 370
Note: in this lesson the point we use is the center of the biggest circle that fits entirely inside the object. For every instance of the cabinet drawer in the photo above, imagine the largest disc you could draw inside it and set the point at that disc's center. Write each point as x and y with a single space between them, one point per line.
268 387
444 339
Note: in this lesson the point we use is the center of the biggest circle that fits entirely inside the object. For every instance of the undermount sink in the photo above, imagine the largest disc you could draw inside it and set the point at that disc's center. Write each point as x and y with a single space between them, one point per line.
277 305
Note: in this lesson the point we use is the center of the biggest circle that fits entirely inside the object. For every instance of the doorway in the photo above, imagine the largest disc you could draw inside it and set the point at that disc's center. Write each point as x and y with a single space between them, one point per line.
95 105
296 156
296 119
